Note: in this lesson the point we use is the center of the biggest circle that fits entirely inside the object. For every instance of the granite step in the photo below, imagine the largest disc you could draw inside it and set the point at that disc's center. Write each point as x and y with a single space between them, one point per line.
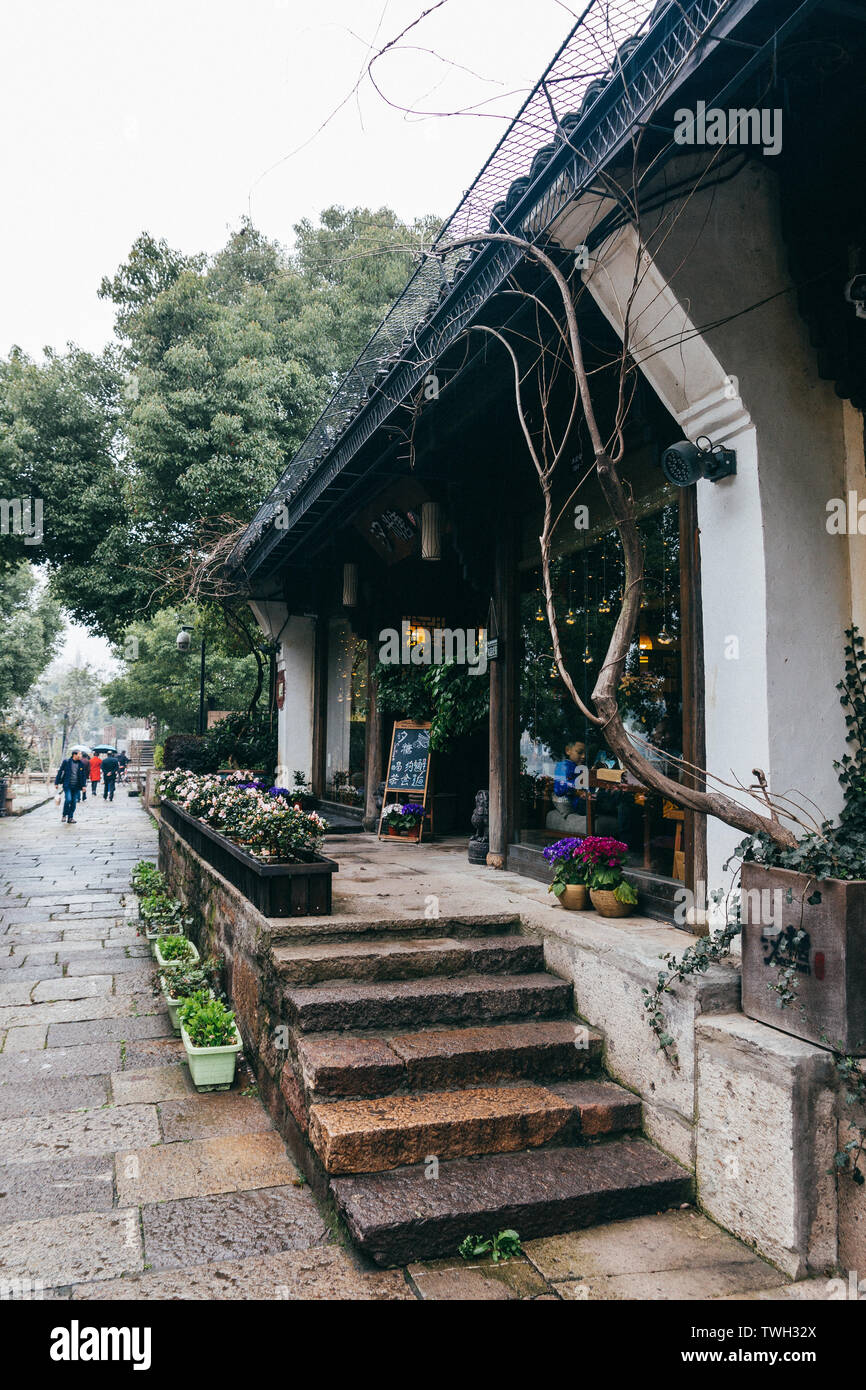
347 1066
403 1215
305 930
387 959
370 1135
473 998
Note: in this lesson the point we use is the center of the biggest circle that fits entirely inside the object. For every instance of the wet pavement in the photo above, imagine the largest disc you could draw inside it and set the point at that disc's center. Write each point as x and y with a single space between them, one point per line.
118 1180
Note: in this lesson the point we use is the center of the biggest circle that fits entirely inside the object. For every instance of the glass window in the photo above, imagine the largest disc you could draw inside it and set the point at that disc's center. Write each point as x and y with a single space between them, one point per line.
570 784
345 741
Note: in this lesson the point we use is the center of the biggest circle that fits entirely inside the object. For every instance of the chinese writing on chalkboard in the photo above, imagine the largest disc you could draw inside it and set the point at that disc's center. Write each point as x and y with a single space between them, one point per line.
410 755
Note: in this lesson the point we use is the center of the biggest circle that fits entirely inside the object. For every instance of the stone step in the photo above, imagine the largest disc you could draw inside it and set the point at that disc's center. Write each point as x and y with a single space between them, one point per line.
435 1059
404 1215
408 1003
370 1135
301 930
387 959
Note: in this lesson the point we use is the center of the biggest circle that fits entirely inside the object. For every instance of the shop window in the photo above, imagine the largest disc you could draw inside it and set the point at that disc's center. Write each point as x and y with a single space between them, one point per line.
345 740
570 784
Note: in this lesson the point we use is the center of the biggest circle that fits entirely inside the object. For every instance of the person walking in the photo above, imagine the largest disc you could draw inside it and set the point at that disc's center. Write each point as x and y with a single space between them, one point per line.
122 762
68 778
95 773
109 776
83 770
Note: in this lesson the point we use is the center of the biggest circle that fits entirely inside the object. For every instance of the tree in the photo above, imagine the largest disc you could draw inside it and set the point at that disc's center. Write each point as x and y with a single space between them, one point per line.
158 680
31 625
148 456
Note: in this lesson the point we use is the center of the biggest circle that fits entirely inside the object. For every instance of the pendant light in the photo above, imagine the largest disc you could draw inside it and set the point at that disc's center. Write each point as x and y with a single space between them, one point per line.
350 585
431 531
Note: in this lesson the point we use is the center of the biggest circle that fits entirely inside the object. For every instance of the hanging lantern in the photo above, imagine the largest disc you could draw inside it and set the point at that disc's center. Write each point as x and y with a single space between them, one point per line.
350 585
431 531
587 656
569 617
664 638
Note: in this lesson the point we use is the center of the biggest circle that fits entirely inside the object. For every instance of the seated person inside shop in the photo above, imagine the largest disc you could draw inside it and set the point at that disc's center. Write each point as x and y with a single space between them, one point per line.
570 779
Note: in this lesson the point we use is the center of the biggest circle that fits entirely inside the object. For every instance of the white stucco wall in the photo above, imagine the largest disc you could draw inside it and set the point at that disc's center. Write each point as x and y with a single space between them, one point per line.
295 639
773 579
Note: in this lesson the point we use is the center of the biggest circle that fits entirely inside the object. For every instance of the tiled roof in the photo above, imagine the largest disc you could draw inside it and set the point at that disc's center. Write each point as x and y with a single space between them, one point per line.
626 50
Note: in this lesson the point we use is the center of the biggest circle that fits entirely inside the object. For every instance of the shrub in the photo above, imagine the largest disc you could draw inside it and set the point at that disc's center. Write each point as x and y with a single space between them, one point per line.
191 751
207 1021
13 752
175 948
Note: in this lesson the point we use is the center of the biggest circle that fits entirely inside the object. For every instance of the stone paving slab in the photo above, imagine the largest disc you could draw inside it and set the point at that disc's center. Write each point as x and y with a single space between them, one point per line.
96 1007
457 1281
24 1039
88 1131
41 1096
149 1085
110 1030
212 1117
71 1249
231 1225
96 1059
323 1272
76 987
55 1187
201 1167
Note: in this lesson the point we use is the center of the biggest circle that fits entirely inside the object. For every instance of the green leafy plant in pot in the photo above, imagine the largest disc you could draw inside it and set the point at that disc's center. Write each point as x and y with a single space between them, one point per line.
173 949
179 981
611 894
570 872
211 1041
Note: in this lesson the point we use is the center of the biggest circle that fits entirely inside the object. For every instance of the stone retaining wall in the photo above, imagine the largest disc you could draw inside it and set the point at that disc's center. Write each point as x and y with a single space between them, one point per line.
753 1112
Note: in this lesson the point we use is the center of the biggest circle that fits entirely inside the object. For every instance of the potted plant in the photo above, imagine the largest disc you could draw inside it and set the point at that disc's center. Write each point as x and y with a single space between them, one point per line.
404 819
172 949
180 980
803 908
611 894
211 1041
570 872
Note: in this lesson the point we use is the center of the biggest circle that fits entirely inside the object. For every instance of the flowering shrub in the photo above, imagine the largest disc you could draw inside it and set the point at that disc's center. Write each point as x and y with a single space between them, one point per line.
239 808
405 816
603 858
568 866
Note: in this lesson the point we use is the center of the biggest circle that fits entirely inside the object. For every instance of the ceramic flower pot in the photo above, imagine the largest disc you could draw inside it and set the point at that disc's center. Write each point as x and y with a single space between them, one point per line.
605 901
574 897
211 1068
162 962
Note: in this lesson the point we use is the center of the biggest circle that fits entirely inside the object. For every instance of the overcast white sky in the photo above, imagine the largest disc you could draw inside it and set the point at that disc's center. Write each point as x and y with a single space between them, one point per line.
119 117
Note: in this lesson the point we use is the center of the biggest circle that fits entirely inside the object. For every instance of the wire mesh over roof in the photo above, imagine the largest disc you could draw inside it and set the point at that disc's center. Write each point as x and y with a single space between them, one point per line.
604 45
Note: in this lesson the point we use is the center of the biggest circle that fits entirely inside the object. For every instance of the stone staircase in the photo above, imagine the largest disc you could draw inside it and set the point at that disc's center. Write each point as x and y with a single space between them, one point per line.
444 1086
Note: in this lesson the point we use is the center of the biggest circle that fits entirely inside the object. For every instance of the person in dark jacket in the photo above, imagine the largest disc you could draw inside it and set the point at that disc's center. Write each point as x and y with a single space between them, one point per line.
83 773
123 763
69 777
109 776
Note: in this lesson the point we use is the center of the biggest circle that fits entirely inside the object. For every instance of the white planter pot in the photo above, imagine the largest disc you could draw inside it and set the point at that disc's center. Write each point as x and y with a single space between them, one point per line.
162 962
211 1068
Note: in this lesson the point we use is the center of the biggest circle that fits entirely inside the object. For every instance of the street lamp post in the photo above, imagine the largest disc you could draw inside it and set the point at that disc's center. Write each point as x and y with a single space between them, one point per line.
183 641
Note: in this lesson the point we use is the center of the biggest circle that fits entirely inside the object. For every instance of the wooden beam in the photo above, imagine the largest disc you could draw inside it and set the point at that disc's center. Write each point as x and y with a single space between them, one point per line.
503 689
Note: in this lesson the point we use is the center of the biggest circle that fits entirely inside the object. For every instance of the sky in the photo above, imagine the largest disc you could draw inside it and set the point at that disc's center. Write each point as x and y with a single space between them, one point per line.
180 117
183 116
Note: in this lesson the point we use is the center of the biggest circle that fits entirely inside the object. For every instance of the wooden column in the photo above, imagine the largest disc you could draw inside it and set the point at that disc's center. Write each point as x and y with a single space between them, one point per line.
320 705
373 771
692 655
503 689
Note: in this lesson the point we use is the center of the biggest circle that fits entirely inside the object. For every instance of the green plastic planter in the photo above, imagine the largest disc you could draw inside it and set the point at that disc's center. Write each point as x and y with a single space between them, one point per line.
211 1068
154 933
162 962
173 1005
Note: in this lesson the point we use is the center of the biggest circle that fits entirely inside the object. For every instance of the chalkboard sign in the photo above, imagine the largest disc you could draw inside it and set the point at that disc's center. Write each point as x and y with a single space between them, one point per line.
410 758
408 774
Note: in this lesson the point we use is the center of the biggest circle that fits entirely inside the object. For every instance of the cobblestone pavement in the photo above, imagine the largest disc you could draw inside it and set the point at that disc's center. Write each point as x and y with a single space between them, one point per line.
118 1180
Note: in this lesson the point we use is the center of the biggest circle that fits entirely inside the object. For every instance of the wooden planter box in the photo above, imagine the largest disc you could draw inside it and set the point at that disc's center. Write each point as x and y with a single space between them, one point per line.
276 889
830 959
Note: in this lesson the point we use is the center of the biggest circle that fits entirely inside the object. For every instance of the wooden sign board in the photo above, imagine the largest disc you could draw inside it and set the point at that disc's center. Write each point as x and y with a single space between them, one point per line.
408 767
